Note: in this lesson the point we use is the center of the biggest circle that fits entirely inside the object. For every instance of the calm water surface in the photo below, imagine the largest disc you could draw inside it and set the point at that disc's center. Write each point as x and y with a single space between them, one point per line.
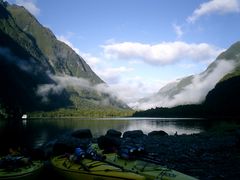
35 132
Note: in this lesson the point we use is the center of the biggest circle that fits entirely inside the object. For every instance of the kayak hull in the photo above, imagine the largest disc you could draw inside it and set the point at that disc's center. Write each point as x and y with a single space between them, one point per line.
90 170
151 171
24 173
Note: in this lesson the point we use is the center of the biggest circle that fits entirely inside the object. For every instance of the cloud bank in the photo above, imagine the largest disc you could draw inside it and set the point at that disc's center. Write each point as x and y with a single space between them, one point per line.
65 81
194 93
215 7
163 53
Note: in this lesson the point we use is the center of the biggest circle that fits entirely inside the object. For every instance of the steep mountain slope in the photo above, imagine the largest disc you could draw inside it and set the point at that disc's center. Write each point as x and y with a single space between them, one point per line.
193 89
233 53
224 99
38 72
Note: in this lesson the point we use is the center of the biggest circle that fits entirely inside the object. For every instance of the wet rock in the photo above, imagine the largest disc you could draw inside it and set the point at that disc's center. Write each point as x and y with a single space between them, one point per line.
113 133
133 134
108 143
62 148
82 133
204 155
157 133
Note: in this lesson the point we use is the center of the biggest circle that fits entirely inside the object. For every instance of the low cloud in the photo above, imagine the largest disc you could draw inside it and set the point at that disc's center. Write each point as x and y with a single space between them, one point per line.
194 93
128 91
61 83
30 5
215 7
132 89
78 84
163 53
10 58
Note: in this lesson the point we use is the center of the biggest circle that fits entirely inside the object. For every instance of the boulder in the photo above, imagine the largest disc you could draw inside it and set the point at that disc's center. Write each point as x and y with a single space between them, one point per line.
113 133
133 134
157 133
82 133
109 144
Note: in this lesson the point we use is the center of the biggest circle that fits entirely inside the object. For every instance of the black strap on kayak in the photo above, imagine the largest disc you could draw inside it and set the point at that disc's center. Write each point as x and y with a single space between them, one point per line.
99 163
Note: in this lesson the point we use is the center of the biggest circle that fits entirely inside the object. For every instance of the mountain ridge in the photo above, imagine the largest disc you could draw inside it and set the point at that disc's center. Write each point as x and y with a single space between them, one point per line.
40 63
225 66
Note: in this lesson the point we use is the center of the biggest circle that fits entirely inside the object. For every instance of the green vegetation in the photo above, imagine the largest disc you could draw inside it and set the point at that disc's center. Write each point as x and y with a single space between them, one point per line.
178 111
93 113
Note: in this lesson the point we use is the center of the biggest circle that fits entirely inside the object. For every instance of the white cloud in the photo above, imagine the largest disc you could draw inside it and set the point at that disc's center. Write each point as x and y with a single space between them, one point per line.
64 81
215 6
163 53
90 59
61 83
129 90
30 5
178 30
194 93
132 89
112 75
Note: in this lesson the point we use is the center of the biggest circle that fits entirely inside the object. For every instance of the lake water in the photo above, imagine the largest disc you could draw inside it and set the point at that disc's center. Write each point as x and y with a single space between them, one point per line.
35 132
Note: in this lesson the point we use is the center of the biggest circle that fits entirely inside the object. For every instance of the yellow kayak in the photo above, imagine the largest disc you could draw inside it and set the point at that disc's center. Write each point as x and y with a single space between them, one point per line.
28 172
151 171
90 170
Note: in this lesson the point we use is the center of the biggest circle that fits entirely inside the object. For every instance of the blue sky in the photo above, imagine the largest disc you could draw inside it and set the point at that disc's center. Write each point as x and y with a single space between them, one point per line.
138 46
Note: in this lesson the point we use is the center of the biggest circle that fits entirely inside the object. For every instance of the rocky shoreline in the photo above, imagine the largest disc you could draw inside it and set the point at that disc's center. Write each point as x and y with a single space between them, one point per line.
208 155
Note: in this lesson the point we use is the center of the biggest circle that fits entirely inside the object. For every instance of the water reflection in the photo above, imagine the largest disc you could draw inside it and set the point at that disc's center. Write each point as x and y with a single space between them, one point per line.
35 132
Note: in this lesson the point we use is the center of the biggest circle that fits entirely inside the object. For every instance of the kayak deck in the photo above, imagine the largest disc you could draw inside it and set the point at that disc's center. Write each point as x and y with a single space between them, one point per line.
151 171
90 170
22 173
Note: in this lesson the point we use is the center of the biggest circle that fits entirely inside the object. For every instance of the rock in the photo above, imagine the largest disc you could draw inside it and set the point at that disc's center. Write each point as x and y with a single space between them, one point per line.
108 143
114 133
133 134
62 148
82 133
157 133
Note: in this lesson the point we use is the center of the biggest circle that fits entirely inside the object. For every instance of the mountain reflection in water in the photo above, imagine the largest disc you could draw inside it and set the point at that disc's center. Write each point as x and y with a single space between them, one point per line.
35 132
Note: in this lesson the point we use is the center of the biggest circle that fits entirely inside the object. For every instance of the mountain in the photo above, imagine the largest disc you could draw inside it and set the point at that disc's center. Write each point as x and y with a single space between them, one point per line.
224 99
222 102
194 89
39 72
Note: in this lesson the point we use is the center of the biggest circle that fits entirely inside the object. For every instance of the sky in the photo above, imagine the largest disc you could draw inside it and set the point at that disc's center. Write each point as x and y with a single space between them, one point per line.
138 46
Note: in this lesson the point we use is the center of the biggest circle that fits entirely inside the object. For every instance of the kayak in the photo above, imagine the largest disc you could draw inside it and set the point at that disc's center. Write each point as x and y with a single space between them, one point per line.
151 171
28 172
89 169
149 168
